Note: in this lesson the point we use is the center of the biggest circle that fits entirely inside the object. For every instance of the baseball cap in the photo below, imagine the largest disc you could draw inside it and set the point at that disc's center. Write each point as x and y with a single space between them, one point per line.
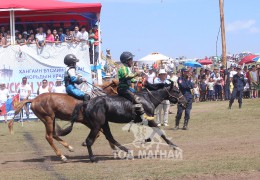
58 79
162 71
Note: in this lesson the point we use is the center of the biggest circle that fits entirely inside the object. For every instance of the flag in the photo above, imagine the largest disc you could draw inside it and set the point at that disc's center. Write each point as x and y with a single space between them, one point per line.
10 104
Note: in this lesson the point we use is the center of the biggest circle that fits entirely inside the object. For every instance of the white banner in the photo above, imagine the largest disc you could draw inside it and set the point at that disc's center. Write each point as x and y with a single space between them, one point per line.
36 64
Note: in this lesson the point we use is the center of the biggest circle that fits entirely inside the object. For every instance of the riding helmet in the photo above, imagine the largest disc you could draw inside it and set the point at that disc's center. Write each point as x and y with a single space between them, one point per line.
69 59
125 57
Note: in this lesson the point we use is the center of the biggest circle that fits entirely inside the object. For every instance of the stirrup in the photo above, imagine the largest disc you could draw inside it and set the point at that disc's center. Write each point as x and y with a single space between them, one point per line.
148 118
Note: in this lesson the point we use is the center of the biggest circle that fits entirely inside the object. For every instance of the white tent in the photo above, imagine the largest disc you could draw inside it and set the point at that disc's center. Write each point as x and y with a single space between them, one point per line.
153 57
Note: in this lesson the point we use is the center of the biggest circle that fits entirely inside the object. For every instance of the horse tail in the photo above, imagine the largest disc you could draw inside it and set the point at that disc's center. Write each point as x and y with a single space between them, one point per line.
18 108
63 132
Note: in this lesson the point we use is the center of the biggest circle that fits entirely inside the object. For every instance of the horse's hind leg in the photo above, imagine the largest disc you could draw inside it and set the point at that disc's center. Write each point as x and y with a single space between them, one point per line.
64 143
110 138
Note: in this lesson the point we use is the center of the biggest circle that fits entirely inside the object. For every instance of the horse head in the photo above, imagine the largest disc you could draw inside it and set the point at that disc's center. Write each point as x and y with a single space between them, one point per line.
175 96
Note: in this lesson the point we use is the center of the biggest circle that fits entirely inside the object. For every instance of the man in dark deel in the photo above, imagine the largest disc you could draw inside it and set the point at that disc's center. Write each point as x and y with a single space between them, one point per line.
185 86
238 83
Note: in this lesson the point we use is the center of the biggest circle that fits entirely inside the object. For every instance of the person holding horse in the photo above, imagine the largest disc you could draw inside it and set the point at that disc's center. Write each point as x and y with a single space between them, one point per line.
185 86
124 88
71 78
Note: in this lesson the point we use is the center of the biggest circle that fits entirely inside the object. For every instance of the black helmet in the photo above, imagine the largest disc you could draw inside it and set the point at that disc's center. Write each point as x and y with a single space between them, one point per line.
69 59
125 57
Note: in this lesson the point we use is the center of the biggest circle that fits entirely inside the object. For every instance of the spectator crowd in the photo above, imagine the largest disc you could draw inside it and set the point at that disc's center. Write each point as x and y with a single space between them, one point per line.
209 84
51 34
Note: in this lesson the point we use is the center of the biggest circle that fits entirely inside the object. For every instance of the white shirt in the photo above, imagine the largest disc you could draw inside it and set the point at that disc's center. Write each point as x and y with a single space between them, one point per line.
3 95
232 73
211 86
175 79
196 90
150 77
43 90
40 37
59 89
84 36
24 90
77 35
158 80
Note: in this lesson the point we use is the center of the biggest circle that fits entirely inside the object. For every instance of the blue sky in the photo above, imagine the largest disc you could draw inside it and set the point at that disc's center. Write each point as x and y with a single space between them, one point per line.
178 27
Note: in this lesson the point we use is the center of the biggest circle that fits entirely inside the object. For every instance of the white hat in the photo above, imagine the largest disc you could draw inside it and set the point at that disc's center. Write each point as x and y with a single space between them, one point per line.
162 71
58 79
2 83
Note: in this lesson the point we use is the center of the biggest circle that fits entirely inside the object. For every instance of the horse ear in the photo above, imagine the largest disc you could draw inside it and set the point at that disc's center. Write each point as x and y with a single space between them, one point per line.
171 84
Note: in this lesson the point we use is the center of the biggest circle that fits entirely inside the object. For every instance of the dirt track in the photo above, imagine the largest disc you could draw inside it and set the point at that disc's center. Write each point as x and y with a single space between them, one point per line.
218 146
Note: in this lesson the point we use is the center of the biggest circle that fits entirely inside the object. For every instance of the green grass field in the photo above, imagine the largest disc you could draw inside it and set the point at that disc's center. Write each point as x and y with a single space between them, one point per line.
221 143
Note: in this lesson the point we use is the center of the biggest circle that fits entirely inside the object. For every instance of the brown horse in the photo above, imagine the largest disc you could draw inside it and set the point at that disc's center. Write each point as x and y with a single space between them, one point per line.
49 106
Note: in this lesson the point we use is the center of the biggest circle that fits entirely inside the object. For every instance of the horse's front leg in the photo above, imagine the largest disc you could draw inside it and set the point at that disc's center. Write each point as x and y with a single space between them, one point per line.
49 137
157 130
90 141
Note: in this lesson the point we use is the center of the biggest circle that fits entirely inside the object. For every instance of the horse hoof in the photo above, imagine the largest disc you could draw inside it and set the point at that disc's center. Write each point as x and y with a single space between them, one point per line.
71 149
115 153
64 159
93 159
148 140
177 149
130 156
84 144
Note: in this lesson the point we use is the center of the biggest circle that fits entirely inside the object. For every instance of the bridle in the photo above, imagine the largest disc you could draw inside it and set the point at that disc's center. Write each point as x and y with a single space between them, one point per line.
169 94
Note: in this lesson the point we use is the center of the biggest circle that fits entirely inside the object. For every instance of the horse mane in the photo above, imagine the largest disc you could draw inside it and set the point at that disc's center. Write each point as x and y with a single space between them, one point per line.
154 87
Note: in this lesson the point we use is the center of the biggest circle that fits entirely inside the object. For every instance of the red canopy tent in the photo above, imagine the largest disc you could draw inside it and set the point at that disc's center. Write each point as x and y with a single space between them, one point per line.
47 10
247 59
205 61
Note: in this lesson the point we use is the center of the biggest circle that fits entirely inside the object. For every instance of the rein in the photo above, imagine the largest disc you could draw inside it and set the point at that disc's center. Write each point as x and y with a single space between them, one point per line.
149 92
100 90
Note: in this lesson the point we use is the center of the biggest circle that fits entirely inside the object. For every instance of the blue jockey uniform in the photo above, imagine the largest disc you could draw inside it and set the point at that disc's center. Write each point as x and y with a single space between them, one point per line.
238 83
185 87
71 78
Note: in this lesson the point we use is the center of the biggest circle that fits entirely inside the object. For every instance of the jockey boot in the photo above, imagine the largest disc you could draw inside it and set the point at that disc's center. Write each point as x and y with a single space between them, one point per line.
185 126
86 98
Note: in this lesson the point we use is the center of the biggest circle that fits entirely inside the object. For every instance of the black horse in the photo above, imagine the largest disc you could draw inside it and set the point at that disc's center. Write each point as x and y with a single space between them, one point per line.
104 109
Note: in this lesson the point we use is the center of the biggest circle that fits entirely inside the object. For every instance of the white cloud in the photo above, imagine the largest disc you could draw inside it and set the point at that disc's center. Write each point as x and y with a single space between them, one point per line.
242 25
255 30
